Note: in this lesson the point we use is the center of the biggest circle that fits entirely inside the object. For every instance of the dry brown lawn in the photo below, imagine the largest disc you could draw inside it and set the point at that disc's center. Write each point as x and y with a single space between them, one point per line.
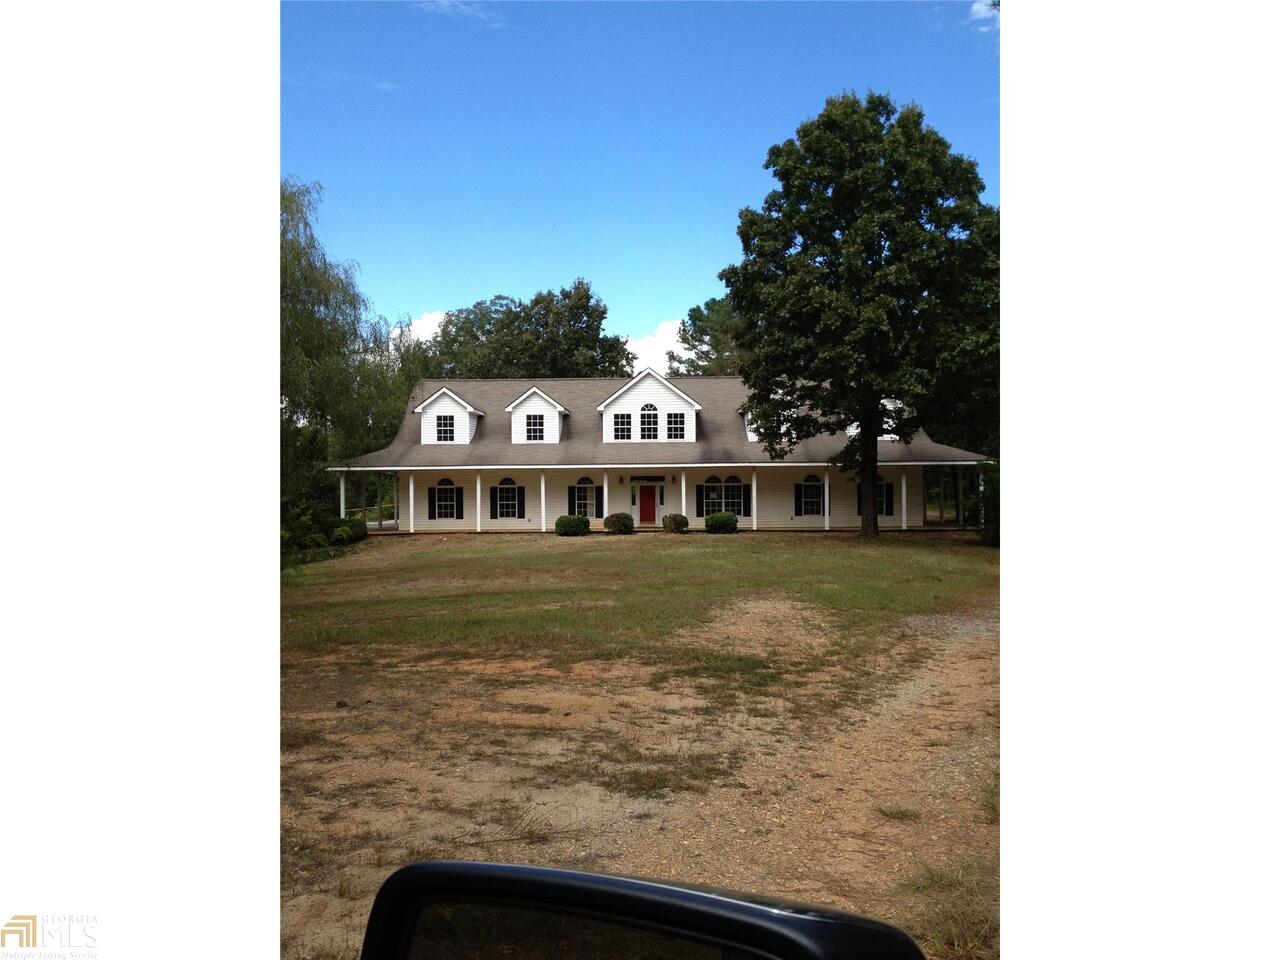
843 755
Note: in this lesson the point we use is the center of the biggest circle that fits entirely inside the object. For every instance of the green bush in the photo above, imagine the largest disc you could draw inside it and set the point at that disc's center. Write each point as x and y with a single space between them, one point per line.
619 523
340 537
313 541
572 526
357 529
675 523
722 523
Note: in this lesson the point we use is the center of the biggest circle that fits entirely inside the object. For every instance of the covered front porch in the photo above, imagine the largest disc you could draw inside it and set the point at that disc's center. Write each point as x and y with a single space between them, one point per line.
763 496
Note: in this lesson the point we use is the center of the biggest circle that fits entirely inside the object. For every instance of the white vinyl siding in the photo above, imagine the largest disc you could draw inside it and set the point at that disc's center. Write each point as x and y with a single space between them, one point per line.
464 424
654 391
535 404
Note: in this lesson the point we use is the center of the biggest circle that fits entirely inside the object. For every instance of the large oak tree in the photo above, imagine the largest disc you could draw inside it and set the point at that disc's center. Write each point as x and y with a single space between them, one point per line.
865 274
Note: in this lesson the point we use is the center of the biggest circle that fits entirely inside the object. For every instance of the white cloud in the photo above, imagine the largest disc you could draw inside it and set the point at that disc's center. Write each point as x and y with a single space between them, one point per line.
651 349
459 9
982 9
426 325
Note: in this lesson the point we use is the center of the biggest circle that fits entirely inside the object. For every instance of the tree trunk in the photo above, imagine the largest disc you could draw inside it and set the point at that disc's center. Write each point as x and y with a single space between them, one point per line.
868 470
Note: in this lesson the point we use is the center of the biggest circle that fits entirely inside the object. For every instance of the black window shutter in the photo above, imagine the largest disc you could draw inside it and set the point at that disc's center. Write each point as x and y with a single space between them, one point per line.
859 499
431 503
799 499
697 499
662 494
457 503
746 499
888 499
573 500
599 502
493 503
520 502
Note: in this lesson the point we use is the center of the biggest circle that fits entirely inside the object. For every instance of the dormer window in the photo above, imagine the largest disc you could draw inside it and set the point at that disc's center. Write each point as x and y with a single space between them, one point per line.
533 427
648 422
622 426
444 428
675 426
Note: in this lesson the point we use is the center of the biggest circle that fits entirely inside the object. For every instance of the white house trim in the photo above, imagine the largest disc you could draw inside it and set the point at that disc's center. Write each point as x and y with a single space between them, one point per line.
516 402
468 407
650 372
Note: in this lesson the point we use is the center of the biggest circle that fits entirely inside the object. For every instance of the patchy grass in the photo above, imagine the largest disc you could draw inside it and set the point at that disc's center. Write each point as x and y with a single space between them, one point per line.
957 917
898 813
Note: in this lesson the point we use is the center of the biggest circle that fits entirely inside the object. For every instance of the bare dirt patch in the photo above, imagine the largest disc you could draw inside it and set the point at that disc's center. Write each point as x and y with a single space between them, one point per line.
620 766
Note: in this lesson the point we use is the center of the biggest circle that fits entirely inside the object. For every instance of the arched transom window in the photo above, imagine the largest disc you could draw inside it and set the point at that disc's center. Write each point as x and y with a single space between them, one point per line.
733 495
648 422
507 497
713 495
584 497
446 500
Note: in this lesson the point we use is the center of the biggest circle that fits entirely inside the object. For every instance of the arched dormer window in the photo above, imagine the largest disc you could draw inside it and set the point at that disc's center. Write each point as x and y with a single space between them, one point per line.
649 422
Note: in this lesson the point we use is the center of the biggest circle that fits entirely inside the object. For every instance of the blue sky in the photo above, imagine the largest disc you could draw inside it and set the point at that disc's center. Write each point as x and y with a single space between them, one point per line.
473 149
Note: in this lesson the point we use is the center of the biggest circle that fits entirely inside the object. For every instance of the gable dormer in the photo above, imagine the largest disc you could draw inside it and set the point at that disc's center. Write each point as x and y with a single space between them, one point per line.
447 418
535 418
649 409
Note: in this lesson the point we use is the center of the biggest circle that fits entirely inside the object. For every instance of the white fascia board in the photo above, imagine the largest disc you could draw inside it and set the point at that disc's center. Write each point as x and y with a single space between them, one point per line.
516 402
468 407
651 466
650 372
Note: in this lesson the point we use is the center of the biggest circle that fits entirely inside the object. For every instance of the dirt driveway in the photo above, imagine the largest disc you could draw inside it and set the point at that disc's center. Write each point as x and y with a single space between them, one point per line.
887 806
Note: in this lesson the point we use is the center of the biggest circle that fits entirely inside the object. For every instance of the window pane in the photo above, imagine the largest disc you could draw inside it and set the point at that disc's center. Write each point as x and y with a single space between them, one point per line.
713 498
622 426
533 426
506 501
649 425
444 429
444 503
812 499
675 426
583 501
733 498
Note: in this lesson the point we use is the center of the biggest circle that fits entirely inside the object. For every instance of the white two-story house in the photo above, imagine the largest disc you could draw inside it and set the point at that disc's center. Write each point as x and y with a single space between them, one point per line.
493 455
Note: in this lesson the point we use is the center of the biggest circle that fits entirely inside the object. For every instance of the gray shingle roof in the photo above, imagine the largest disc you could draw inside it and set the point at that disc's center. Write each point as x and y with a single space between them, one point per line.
721 432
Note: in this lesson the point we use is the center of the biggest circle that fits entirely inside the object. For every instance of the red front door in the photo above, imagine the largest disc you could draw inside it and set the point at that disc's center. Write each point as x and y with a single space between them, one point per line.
648 504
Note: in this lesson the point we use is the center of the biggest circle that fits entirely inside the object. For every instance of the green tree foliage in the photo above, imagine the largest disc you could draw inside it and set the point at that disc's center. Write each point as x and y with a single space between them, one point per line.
556 334
707 337
862 276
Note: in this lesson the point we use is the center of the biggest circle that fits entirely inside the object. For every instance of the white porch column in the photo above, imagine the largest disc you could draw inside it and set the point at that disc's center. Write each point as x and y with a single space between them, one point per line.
479 506
960 496
826 498
411 501
902 505
755 514
342 495
605 511
395 499
683 506
982 504
542 495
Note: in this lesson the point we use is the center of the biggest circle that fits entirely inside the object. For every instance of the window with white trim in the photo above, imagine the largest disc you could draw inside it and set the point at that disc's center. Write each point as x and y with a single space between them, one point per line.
648 422
446 500
444 428
622 426
732 496
533 427
811 499
507 498
713 496
883 497
584 496
675 426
